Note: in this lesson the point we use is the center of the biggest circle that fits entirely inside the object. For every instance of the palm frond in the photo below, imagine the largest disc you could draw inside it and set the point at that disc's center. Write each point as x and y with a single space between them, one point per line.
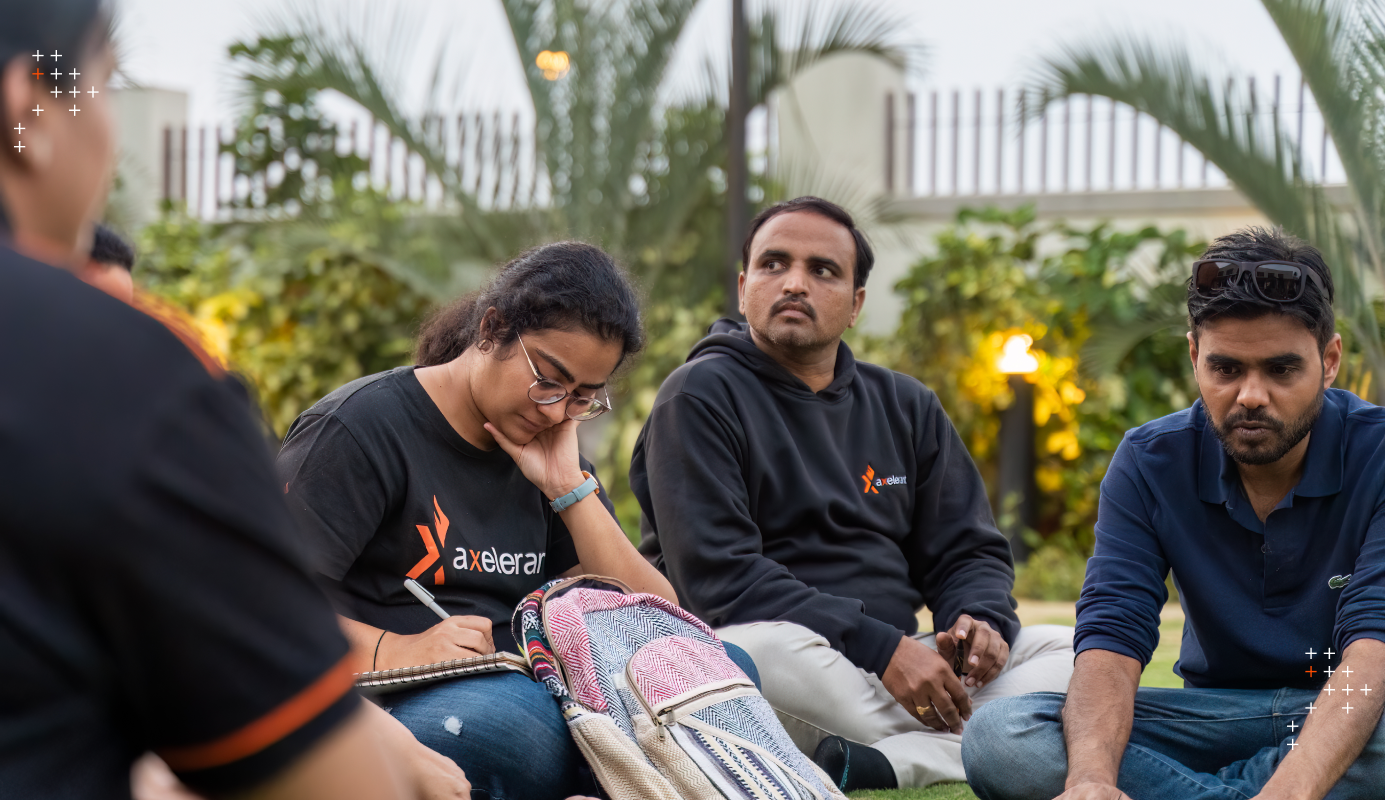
1211 113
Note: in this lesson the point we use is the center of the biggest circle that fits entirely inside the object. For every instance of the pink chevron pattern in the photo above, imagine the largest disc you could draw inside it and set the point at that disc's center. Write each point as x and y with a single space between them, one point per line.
589 600
675 665
573 647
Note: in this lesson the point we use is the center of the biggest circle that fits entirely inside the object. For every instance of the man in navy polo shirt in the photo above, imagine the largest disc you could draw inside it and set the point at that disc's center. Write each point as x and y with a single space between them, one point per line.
1266 499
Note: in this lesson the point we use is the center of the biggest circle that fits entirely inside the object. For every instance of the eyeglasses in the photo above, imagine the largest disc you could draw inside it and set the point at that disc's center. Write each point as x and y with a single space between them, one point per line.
1276 281
546 393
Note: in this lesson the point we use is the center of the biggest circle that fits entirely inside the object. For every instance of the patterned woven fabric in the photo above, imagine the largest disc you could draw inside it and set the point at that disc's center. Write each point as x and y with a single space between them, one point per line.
676 665
736 744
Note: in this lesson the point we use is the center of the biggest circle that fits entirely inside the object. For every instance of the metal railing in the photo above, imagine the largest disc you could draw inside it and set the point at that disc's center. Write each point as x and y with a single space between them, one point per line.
970 143
491 156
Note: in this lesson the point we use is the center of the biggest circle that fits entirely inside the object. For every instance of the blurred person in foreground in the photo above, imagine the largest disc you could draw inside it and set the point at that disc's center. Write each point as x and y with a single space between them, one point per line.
807 505
111 266
150 597
1266 500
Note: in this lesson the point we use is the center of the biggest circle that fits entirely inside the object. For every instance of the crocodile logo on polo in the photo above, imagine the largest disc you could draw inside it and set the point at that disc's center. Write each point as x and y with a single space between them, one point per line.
1338 581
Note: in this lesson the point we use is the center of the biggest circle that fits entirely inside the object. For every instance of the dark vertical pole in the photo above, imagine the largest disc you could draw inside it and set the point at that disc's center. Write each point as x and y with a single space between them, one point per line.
216 172
889 142
737 209
956 140
1067 142
1091 142
168 163
1111 163
999 141
911 145
1302 85
976 147
1135 149
1019 154
1017 465
933 145
1158 151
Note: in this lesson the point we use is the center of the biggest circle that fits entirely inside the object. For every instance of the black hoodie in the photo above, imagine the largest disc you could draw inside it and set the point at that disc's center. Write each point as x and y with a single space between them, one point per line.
843 511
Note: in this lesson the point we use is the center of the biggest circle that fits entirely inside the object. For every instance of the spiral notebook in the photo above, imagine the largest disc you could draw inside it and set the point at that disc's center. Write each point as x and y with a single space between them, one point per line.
393 680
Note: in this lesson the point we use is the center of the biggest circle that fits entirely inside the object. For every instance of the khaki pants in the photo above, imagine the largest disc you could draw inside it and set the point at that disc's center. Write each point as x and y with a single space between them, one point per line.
817 692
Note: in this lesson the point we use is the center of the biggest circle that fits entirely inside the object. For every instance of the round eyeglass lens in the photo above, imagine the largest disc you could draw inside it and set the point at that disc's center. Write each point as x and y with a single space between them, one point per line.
584 408
546 392
1281 282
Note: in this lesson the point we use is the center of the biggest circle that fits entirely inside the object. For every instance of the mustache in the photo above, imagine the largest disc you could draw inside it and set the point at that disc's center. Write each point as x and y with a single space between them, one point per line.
1256 415
797 305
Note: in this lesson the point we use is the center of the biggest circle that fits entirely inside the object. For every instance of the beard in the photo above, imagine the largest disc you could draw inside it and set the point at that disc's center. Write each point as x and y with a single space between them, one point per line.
1284 435
801 336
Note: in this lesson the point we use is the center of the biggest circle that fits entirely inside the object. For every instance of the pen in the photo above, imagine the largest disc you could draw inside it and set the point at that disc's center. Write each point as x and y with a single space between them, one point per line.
424 596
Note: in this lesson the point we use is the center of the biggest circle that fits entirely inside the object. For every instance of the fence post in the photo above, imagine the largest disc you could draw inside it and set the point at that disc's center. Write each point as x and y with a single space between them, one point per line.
889 142
1019 155
1000 140
1091 141
933 145
911 145
976 147
956 140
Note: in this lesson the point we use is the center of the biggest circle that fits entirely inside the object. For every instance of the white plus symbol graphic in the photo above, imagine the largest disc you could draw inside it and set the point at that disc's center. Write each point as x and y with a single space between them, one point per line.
20 127
1347 708
57 92
1311 708
1292 726
56 55
1328 671
37 110
93 92
74 109
1293 743
1328 689
1348 689
37 55
1366 690
1310 653
1346 670
75 73
74 91
19 147
1328 652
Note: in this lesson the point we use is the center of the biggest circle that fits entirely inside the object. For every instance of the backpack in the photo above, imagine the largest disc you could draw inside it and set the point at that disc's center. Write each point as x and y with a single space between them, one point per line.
658 709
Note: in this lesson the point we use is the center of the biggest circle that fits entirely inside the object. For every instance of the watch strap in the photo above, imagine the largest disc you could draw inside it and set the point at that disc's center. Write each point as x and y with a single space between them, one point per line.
587 487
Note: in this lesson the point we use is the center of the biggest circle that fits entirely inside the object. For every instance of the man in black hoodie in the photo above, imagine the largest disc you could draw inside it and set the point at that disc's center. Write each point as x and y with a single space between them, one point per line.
808 505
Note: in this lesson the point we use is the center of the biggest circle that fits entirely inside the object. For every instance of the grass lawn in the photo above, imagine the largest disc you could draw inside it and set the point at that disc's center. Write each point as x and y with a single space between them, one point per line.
1036 612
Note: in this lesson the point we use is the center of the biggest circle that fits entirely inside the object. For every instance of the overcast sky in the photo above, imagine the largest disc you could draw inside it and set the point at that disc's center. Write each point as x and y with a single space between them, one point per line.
181 44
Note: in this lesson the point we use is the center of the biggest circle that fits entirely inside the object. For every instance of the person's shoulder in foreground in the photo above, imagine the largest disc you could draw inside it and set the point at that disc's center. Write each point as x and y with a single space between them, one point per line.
151 599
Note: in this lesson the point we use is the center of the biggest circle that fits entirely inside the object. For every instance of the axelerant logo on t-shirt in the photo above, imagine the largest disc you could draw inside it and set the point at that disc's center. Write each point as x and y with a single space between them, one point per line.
483 560
873 483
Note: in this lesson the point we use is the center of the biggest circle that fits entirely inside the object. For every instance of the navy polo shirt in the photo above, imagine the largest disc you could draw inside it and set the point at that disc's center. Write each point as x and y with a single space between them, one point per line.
1257 596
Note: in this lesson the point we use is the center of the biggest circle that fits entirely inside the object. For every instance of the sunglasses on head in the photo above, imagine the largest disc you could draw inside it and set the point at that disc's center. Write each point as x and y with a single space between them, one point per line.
1276 281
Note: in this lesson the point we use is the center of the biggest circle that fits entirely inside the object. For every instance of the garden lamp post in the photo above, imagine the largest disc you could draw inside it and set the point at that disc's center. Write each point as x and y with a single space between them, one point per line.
1017 492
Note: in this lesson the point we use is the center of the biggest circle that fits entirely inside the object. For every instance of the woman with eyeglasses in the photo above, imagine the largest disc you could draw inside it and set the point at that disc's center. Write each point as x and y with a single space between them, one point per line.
463 474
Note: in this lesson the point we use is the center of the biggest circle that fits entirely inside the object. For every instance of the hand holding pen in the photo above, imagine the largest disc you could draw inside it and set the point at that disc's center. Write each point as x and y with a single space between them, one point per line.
460 636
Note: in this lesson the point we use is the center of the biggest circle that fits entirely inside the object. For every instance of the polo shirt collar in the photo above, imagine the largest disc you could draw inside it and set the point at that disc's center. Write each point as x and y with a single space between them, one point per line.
1218 480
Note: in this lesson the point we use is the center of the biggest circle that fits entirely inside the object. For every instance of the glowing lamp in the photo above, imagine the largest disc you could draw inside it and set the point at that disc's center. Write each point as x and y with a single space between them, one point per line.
554 63
1015 357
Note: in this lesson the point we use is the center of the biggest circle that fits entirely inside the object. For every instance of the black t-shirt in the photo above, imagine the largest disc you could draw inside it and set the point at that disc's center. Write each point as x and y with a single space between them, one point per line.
386 489
151 596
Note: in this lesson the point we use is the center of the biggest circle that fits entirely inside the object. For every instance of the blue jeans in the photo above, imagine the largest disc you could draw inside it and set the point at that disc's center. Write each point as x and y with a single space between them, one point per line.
1185 744
506 733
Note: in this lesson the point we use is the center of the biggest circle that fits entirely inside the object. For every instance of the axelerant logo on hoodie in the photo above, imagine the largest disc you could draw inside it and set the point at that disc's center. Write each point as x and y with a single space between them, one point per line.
872 482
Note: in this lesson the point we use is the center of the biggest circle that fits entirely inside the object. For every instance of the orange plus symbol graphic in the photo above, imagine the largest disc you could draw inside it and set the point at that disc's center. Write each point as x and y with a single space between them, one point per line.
38 73
1311 672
